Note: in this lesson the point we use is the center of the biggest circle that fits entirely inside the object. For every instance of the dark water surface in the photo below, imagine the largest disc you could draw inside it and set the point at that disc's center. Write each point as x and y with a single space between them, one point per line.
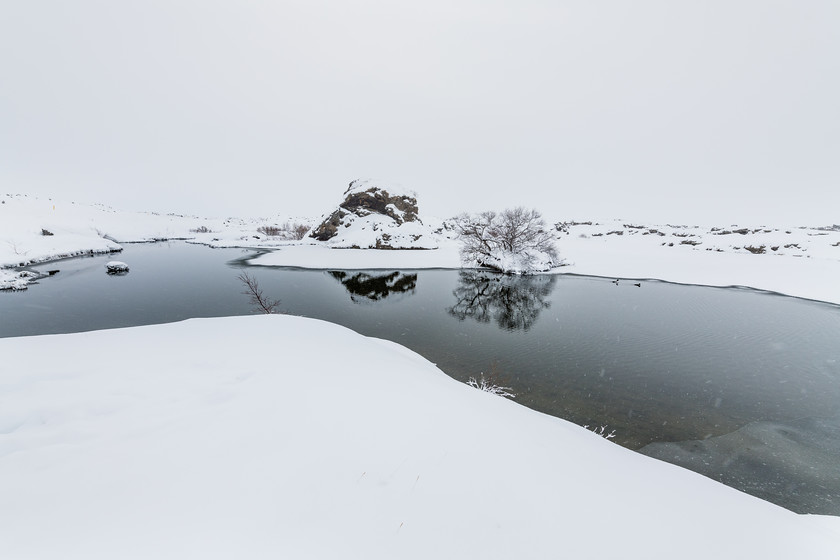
739 385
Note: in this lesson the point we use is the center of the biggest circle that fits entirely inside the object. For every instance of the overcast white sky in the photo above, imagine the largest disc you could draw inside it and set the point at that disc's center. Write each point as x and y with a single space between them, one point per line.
701 111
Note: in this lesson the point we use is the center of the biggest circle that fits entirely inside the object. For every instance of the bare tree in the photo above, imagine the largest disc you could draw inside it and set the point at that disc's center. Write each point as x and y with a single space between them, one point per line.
515 235
258 299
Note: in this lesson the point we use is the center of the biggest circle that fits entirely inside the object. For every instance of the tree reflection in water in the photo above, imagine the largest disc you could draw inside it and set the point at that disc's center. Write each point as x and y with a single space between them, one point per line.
375 287
512 302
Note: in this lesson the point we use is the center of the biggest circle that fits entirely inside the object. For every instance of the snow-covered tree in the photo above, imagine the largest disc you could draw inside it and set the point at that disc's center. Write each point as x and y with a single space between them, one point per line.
515 240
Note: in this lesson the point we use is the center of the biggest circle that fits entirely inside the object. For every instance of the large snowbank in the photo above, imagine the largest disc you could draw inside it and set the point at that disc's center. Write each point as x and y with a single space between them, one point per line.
193 440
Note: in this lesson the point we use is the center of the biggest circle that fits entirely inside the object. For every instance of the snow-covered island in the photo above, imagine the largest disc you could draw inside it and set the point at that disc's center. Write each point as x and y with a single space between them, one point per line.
193 439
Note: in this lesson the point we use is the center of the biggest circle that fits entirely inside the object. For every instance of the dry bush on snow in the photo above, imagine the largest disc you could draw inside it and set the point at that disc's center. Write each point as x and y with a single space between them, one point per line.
287 231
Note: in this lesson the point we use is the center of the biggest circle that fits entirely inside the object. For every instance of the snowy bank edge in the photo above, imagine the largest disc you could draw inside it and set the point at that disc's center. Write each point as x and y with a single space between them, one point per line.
805 279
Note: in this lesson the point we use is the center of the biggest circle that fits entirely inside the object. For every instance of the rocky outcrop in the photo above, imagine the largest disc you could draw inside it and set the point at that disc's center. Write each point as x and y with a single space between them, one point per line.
375 216
116 267
329 227
363 198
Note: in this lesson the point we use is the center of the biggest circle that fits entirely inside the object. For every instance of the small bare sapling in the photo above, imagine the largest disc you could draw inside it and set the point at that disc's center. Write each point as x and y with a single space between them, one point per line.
259 300
601 431
483 384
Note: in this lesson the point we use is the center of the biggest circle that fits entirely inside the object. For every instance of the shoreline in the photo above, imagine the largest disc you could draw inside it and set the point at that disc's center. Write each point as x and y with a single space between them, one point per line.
805 282
802 262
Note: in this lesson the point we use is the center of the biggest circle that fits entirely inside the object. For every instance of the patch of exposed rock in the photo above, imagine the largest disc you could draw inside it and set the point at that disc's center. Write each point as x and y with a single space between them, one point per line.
377 217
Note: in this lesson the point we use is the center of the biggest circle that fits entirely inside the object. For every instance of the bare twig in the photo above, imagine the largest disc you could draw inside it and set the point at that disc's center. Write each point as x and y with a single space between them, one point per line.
602 431
14 247
491 384
258 299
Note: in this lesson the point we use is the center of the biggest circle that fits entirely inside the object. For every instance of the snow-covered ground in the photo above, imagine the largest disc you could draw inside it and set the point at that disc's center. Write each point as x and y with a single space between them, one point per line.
797 261
34 230
792 259
241 438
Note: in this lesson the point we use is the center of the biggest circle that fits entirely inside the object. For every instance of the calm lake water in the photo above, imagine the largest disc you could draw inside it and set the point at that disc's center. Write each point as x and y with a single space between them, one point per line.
736 384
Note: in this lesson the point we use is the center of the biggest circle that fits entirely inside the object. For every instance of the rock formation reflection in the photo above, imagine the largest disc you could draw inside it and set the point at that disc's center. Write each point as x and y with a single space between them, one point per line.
374 287
512 302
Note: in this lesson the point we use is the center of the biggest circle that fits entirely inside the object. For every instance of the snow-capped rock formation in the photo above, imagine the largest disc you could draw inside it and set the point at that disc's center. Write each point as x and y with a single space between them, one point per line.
375 216
116 267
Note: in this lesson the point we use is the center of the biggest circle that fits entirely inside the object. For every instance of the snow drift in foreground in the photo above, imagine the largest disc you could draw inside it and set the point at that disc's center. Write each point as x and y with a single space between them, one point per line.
243 438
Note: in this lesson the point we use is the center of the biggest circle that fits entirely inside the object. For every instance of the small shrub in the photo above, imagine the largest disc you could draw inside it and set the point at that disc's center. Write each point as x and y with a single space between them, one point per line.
482 384
756 250
299 230
491 383
201 229
602 431
287 231
271 231
46 232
